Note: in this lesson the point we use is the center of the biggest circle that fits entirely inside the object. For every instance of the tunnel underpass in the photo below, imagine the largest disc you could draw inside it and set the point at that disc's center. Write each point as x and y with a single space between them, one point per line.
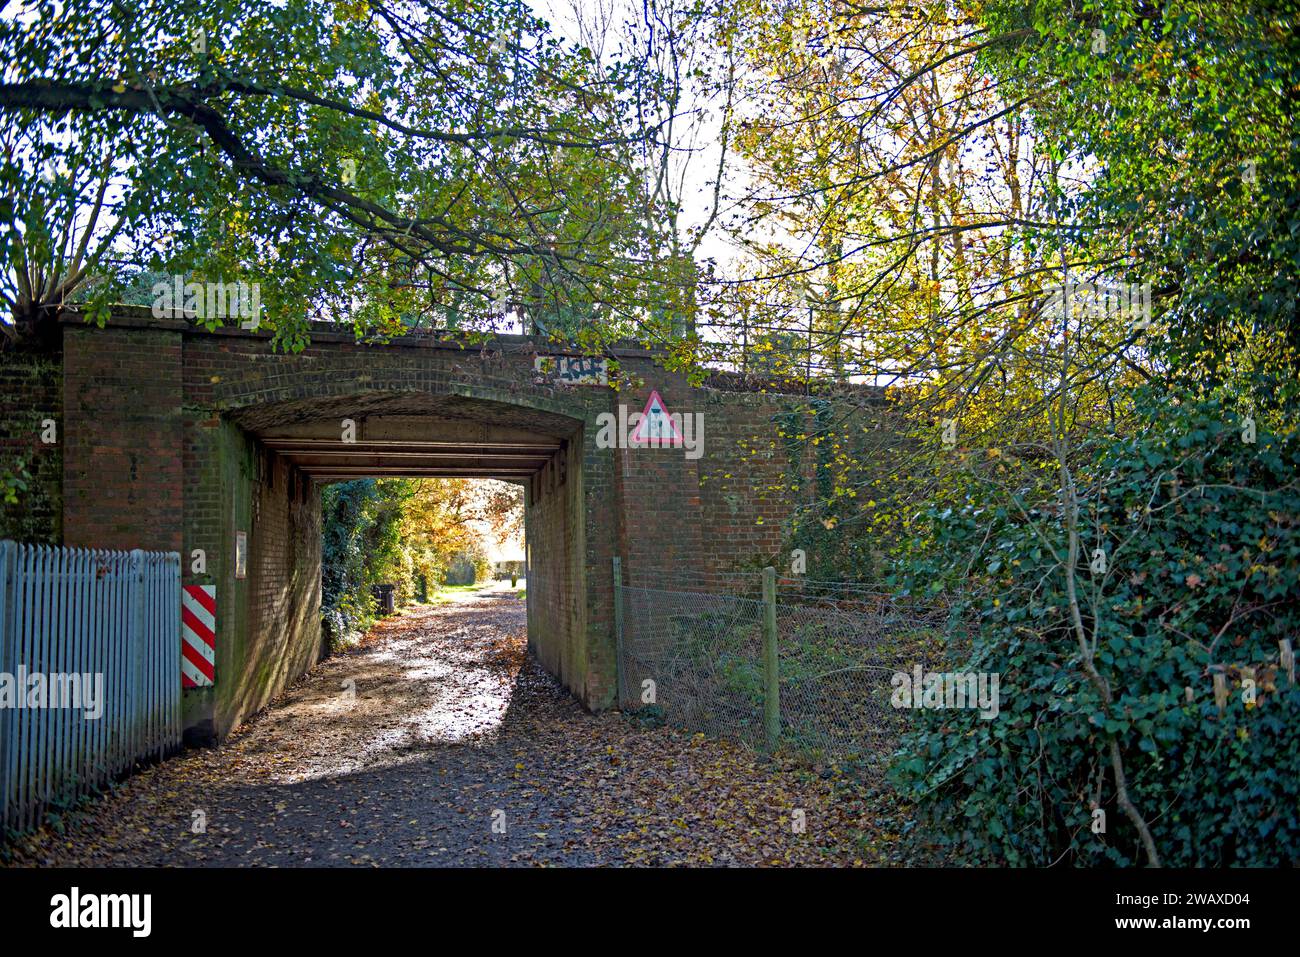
280 455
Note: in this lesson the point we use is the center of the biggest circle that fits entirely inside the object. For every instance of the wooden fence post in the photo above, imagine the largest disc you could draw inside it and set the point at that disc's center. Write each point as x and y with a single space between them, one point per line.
771 664
618 631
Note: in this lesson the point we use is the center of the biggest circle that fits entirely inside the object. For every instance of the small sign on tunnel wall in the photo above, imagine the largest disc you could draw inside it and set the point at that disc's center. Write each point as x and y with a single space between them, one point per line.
241 554
198 636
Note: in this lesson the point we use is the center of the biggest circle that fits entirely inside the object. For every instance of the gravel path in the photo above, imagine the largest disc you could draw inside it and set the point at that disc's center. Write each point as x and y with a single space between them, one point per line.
440 742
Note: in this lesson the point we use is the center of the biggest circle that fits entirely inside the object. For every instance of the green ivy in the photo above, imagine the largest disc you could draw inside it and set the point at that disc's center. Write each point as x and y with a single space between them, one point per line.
360 547
1203 568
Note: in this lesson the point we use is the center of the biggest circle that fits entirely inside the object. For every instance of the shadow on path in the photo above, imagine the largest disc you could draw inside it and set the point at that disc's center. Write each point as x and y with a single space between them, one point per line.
409 749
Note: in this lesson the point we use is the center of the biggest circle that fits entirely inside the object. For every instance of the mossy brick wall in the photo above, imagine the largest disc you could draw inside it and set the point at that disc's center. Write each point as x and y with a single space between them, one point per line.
213 454
31 391
268 623
744 480
557 609
773 461
282 590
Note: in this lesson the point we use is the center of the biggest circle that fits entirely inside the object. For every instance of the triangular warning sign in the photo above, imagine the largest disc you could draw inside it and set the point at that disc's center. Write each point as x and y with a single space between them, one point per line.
656 427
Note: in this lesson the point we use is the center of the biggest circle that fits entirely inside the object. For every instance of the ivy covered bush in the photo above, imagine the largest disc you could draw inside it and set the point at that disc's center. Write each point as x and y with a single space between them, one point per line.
1187 572
359 546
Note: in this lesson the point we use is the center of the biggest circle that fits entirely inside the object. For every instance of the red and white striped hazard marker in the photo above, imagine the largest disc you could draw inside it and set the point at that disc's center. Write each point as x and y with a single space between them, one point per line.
198 636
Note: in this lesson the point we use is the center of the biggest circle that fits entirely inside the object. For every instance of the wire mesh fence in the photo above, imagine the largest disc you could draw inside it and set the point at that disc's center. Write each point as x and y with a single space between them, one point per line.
839 649
695 658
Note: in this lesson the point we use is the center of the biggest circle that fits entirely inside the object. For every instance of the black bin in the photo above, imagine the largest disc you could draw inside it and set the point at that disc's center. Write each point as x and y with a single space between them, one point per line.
384 596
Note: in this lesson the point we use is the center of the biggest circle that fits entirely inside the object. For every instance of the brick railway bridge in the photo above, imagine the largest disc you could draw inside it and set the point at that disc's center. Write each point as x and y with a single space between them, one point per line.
174 438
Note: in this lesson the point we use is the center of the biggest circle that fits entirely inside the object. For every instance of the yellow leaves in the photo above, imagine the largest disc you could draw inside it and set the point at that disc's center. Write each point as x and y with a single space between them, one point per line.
357 11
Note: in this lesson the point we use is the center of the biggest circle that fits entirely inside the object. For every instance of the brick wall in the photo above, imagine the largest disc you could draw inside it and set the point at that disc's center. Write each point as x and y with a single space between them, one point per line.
268 623
282 638
659 488
553 536
123 438
746 481
159 450
761 474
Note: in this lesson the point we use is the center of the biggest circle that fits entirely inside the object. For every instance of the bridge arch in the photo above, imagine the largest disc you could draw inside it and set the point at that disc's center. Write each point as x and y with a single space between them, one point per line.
279 447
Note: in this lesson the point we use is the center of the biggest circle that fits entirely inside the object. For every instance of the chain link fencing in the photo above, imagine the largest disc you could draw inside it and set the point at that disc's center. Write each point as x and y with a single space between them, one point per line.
839 647
695 658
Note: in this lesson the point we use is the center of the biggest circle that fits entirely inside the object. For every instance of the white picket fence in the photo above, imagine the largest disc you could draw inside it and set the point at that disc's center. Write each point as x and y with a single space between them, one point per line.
112 619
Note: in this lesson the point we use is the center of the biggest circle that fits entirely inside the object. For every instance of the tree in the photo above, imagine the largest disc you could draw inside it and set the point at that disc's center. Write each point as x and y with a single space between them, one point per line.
1182 114
408 156
1158 557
